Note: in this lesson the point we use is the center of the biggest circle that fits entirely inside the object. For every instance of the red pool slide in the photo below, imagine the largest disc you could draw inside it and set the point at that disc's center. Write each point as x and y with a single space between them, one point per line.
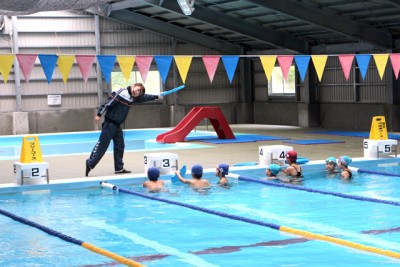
187 124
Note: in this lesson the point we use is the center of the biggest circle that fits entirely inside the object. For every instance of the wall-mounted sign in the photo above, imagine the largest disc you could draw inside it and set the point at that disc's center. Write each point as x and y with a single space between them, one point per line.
54 100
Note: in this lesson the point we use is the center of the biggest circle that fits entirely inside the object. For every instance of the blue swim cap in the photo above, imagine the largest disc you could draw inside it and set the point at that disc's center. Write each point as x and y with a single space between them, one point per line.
223 168
197 169
345 160
153 173
274 168
331 160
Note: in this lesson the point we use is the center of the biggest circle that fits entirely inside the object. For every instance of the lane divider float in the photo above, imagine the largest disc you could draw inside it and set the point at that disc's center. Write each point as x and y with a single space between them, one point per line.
285 229
72 240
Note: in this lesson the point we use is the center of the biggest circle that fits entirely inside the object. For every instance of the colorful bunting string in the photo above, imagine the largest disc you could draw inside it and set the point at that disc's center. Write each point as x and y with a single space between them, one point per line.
126 63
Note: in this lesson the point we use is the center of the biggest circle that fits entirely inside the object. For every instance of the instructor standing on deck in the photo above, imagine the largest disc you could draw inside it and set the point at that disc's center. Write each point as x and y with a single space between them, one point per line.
116 109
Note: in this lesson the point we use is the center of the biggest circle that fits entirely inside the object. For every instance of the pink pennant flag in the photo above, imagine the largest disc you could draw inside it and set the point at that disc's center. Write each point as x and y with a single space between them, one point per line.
143 63
26 63
395 60
85 63
347 62
211 64
285 62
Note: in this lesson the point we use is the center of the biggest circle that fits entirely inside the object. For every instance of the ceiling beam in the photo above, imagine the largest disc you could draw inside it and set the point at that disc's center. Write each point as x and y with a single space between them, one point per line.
154 25
329 21
263 34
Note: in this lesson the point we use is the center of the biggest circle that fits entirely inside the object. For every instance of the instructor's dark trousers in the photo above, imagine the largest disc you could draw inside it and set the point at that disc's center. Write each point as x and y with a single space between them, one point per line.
110 131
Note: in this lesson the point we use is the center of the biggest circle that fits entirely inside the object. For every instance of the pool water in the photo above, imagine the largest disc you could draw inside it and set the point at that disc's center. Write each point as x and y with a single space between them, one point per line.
160 234
83 142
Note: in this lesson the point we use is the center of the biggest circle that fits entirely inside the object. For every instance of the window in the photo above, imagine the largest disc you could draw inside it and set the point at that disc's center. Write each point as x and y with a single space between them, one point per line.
153 82
278 86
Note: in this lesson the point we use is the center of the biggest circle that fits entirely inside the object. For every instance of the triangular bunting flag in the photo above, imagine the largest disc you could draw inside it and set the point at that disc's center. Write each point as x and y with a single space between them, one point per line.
48 63
85 63
395 60
163 65
211 64
230 64
302 65
319 62
126 64
143 63
285 62
268 63
6 62
26 63
381 62
106 65
183 64
65 63
346 61
363 62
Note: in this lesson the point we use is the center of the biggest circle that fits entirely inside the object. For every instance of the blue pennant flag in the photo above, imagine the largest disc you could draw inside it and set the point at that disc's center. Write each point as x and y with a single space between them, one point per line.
363 62
163 65
106 65
302 65
48 63
230 63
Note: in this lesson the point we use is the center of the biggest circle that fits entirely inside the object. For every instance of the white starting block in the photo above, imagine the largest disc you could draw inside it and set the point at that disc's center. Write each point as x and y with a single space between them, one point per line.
378 145
379 148
166 162
31 169
273 154
31 173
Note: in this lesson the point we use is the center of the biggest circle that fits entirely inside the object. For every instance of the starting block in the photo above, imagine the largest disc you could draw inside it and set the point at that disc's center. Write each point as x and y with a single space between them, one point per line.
31 166
166 162
378 145
379 148
31 173
273 154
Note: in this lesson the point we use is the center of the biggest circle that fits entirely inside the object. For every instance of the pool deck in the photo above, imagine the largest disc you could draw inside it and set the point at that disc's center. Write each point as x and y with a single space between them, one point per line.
73 166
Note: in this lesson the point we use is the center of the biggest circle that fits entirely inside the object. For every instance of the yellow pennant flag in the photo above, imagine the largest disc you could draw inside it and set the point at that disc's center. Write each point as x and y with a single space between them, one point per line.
65 63
126 64
268 63
183 64
381 61
319 62
6 62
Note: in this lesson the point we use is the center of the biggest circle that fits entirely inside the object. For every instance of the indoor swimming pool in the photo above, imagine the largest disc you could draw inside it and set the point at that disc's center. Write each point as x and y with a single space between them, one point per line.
243 225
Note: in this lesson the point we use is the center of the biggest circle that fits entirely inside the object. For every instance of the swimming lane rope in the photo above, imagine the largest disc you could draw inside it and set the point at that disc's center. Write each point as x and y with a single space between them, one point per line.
72 240
355 197
290 230
374 172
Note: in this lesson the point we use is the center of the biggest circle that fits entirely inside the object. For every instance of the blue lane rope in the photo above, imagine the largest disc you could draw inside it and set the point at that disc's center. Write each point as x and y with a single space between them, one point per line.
214 212
282 228
355 197
377 172
72 240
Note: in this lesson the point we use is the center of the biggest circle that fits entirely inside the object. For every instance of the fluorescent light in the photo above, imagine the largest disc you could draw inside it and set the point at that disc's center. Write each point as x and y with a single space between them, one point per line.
186 6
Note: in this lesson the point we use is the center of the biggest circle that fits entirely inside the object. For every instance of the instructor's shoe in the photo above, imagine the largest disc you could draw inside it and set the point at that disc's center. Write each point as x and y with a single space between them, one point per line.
88 169
122 171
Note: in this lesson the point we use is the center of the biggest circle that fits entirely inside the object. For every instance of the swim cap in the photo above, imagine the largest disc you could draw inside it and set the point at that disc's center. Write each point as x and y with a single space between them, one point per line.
292 155
331 160
274 168
197 169
345 160
223 168
153 173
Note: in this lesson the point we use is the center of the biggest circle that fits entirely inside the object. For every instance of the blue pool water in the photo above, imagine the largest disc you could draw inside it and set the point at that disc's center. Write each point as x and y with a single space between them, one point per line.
83 142
161 234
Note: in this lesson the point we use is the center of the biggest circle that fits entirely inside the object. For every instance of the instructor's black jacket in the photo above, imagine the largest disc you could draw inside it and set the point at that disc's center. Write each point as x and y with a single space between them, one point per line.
118 104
